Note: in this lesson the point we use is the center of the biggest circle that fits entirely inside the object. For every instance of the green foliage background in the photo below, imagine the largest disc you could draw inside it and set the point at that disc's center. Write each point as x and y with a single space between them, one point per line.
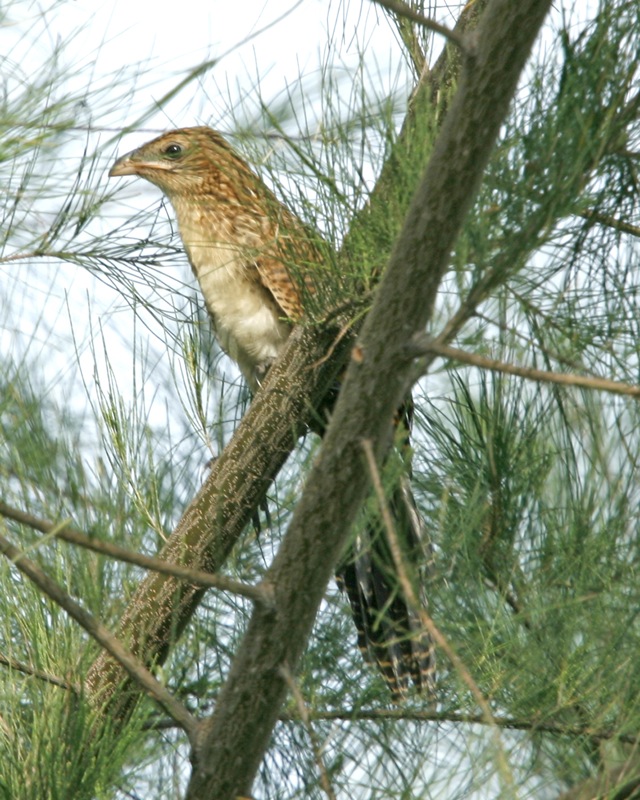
529 489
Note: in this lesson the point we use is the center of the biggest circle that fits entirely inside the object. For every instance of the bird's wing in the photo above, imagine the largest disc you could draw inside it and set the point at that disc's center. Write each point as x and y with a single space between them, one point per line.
287 261
390 632
275 277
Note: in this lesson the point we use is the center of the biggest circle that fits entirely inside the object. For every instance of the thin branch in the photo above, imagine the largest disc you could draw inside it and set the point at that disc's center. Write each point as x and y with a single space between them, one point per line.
31 254
611 222
103 636
357 715
27 669
259 594
403 10
305 716
407 586
425 344
528 341
508 723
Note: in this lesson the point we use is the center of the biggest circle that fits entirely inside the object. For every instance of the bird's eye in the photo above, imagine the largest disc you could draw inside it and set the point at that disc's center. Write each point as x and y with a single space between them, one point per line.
173 150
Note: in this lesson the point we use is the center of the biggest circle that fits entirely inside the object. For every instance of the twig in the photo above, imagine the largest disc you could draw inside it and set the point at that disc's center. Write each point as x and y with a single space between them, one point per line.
104 637
611 222
416 606
403 10
305 716
411 41
509 723
259 594
424 344
509 597
356 715
26 669
22 256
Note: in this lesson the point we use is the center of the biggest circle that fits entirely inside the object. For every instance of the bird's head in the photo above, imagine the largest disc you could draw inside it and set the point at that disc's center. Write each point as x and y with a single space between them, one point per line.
186 160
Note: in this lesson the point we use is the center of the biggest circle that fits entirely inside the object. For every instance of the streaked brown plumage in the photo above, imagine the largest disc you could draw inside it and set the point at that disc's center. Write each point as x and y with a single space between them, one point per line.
255 261
246 249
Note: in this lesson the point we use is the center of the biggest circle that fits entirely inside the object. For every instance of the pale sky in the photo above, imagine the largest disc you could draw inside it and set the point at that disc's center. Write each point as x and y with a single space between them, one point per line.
274 41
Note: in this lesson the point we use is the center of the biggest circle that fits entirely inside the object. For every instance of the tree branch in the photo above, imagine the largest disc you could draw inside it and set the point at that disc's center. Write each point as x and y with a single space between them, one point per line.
611 222
47 677
237 735
259 594
403 10
220 512
425 344
532 724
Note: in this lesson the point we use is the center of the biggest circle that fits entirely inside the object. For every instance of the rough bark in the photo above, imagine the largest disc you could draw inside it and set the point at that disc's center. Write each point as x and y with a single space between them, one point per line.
235 738
222 509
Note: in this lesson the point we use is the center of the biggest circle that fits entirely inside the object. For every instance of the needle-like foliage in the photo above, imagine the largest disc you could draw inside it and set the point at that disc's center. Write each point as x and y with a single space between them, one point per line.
115 402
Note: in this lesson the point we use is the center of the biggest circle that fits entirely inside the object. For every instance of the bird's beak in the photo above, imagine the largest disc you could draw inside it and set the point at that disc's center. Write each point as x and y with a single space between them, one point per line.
140 162
125 165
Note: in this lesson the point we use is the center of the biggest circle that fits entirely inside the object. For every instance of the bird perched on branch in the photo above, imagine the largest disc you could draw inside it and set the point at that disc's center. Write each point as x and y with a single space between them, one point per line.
255 261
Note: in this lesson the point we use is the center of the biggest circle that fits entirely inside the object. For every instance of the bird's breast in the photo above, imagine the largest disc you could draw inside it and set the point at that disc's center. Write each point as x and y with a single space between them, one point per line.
247 319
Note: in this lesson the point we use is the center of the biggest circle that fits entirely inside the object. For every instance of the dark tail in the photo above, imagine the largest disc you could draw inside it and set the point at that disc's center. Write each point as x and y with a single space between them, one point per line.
390 632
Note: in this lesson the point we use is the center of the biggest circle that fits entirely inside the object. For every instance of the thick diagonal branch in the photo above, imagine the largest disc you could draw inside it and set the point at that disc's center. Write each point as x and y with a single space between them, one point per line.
248 707
223 508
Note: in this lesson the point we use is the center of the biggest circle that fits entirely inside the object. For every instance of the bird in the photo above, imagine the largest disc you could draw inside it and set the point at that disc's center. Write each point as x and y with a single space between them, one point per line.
256 264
